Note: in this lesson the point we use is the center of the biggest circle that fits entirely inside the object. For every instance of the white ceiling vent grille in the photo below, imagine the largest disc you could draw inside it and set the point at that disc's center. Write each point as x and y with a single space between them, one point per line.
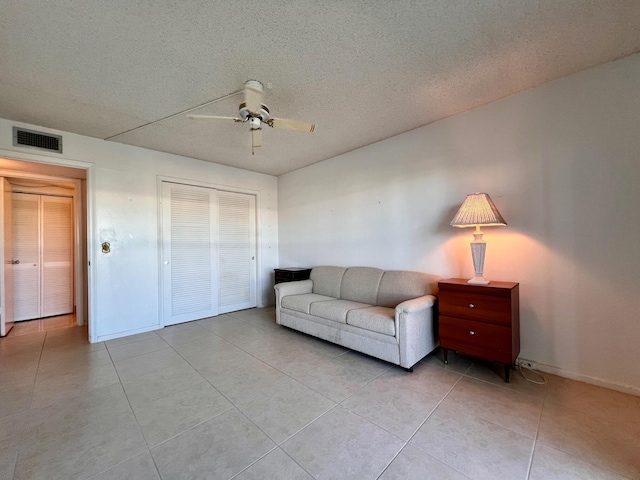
39 140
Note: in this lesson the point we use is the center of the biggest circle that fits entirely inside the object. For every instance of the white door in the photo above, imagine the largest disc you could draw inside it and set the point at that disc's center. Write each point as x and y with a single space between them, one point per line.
237 251
43 283
57 256
189 253
26 256
6 260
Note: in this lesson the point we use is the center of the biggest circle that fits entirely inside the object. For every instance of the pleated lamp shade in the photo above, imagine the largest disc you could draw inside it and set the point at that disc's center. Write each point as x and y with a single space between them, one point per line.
477 209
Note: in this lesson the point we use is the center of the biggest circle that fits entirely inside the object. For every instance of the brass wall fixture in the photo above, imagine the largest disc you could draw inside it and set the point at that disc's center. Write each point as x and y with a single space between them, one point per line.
106 247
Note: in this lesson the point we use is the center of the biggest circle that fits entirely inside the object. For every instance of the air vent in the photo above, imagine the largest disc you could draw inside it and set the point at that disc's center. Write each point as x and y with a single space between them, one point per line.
39 140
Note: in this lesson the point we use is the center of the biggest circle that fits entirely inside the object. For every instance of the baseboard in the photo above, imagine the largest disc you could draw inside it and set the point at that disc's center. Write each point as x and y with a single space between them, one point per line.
104 338
576 376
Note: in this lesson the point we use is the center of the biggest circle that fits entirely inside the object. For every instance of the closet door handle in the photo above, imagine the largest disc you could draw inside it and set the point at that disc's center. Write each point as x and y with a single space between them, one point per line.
16 262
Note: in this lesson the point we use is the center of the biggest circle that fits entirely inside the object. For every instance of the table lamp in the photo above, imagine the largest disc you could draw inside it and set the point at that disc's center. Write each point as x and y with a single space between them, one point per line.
478 210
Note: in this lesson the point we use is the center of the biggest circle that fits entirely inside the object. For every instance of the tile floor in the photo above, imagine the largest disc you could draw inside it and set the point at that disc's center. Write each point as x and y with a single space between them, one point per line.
237 396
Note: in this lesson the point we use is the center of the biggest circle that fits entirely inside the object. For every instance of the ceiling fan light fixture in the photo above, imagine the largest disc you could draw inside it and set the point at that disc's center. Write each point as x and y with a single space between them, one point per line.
254 123
245 114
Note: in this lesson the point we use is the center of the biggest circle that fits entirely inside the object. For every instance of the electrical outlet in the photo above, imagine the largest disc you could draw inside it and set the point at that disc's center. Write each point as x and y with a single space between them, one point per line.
524 363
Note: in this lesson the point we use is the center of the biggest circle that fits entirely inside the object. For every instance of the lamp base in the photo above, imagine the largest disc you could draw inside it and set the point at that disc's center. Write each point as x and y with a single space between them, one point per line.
479 281
478 248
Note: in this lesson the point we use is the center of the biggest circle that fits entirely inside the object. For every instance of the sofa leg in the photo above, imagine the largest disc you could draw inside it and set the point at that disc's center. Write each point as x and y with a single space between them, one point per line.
410 369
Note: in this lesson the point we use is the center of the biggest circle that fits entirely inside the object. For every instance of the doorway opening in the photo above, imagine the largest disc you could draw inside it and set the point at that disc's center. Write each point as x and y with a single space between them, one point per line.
44 276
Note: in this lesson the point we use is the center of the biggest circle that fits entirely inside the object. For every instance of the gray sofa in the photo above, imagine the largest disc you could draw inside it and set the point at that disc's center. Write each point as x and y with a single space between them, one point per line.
390 315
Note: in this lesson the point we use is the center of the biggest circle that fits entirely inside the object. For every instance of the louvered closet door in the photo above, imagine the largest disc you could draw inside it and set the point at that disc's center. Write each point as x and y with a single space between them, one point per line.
26 251
189 249
237 250
57 256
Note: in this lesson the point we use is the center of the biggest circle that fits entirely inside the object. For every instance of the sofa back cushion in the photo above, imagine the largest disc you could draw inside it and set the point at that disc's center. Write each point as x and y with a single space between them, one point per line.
327 280
360 284
399 286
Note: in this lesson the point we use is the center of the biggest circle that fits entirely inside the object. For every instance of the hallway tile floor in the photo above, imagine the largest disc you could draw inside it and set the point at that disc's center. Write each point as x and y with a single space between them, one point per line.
237 396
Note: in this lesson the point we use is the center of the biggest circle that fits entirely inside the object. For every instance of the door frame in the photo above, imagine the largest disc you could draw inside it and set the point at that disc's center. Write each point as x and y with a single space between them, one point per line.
6 277
84 294
227 188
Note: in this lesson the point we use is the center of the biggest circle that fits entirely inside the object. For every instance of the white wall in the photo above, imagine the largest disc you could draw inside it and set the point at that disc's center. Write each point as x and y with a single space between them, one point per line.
562 164
123 201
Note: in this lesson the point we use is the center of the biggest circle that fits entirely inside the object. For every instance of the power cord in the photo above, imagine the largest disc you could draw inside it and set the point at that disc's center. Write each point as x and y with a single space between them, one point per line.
522 368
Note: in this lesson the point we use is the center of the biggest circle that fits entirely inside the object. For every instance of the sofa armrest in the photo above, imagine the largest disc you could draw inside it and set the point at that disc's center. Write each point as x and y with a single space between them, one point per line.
416 304
415 329
290 288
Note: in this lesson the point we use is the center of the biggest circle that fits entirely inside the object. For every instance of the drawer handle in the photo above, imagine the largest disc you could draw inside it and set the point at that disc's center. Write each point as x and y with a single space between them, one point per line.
471 305
471 332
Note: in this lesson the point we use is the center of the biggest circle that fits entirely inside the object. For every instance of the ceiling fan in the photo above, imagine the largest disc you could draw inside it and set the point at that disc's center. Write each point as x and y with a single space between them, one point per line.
255 112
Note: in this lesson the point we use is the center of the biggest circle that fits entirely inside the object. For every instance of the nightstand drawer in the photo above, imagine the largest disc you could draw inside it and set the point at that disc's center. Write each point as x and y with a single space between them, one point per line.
488 308
480 339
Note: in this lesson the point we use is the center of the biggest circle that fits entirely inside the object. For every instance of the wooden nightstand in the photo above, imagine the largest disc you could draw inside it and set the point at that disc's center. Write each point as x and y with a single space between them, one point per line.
480 320
291 274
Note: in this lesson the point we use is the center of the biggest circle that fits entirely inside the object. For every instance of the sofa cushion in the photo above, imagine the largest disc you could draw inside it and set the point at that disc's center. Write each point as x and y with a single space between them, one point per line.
399 286
327 280
335 310
302 303
376 319
360 284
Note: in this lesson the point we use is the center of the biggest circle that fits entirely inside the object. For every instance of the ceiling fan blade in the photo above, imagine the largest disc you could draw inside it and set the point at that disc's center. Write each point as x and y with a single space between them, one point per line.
214 117
253 95
295 125
256 137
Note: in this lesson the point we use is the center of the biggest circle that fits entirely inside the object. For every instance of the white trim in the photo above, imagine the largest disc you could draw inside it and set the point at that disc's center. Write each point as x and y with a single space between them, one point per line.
112 336
581 378
87 277
260 301
92 294
45 159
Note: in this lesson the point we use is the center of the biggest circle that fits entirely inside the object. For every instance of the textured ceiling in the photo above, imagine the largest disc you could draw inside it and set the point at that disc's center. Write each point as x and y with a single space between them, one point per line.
361 70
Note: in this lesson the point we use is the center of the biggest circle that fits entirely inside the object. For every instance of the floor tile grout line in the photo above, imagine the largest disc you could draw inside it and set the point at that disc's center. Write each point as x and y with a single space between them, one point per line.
374 377
535 440
136 355
237 407
254 462
425 421
406 442
279 445
193 426
123 462
560 449
435 408
42 355
393 459
303 371
487 382
208 382
127 397
133 412
149 448
310 388
28 409
290 437
20 443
